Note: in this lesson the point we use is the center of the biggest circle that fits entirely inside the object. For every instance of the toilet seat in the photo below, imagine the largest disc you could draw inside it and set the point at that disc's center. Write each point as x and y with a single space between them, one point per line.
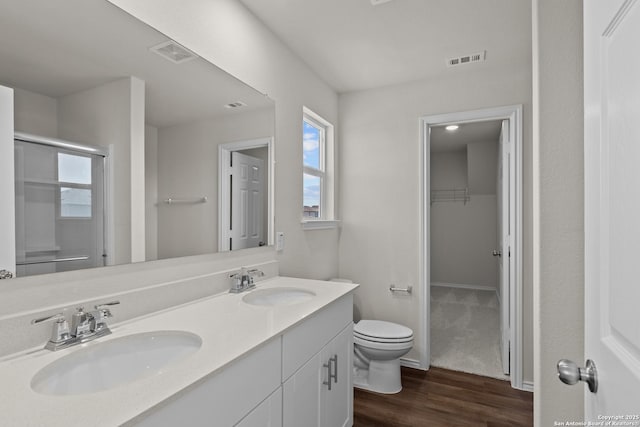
378 331
372 340
390 346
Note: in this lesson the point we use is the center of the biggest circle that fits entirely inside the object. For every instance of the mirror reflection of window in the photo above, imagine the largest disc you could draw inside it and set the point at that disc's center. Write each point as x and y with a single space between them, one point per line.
73 169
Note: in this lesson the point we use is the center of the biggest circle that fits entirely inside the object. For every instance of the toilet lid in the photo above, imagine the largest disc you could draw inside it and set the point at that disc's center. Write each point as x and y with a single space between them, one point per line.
381 330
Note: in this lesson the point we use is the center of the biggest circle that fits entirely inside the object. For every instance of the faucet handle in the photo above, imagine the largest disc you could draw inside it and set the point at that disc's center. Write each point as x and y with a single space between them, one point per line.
105 305
60 330
252 273
57 317
255 272
101 315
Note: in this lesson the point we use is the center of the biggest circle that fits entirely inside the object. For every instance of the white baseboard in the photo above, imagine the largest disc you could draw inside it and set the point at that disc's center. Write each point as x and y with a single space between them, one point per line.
465 286
410 363
527 386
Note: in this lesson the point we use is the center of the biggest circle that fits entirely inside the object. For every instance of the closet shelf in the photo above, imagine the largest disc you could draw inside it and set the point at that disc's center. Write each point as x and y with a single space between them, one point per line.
450 195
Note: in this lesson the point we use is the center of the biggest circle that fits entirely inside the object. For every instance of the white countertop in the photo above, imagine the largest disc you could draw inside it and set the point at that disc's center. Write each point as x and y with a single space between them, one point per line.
227 326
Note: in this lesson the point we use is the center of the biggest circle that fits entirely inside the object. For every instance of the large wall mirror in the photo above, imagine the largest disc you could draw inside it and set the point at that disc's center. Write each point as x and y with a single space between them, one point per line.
128 146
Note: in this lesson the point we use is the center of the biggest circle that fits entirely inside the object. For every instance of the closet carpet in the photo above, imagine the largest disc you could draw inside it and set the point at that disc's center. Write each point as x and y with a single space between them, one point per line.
465 331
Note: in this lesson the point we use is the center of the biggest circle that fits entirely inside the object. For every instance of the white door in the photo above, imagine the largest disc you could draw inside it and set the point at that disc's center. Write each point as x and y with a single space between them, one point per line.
503 242
612 229
7 195
247 198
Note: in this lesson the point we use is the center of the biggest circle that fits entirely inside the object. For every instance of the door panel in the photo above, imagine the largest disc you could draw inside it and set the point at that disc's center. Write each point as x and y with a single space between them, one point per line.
247 195
612 231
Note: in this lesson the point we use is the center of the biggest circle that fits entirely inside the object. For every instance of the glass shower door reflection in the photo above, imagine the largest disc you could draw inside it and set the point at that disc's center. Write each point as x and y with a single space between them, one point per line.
59 209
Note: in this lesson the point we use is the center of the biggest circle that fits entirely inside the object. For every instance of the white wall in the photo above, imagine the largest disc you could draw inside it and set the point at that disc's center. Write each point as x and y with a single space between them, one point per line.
188 167
35 113
464 234
227 34
559 205
104 116
380 179
449 170
482 158
151 192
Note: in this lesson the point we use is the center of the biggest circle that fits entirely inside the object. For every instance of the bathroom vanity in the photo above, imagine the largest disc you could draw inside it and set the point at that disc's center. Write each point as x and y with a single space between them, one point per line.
278 355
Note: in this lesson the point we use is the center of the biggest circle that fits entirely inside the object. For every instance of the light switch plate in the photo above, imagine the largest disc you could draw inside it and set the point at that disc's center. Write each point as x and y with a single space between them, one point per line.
279 241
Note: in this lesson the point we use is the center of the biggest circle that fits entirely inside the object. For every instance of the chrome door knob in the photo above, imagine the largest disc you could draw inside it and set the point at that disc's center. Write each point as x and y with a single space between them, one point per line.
569 373
497 252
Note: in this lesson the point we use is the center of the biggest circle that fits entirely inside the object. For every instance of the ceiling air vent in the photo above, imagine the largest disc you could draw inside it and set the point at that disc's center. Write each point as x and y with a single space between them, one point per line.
467 59
174 52
236 104
377 2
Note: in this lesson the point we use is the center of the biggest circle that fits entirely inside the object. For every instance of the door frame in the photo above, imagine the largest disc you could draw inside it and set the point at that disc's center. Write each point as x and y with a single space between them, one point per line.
513 113
224 196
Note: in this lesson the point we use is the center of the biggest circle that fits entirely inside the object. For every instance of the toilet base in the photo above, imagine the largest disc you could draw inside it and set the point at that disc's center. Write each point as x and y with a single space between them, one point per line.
381 377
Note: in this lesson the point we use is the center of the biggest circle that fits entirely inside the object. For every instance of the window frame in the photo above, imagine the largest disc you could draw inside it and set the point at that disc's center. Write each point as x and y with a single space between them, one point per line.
74 185
326 173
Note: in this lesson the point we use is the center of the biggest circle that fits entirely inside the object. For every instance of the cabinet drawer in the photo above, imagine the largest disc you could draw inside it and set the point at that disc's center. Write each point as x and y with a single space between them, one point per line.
306 339
223 398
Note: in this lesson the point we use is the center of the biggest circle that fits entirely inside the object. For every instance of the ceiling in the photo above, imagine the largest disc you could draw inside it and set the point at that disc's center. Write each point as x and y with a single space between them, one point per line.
443 140
75 45
353 45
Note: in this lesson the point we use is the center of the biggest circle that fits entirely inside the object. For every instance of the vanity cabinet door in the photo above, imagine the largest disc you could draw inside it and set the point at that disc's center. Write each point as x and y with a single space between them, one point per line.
301 395
337 404
267 414
308 401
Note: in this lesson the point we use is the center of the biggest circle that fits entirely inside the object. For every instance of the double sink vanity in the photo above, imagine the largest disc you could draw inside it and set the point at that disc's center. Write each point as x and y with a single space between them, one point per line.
277 354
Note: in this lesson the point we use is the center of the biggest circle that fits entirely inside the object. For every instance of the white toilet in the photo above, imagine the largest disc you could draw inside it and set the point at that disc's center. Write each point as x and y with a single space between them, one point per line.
378 347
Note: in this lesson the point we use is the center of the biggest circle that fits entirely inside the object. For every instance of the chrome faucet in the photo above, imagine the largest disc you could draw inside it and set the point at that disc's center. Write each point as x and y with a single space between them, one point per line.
244 280
85 326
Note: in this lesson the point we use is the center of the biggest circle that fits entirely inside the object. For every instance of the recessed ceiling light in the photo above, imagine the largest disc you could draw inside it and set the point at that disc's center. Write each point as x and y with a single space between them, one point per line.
377 2
452 127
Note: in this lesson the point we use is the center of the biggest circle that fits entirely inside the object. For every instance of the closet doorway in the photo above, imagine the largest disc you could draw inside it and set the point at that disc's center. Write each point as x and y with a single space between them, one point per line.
471 242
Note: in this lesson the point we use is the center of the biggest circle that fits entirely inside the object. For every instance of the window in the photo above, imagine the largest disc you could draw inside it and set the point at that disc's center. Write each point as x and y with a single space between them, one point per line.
75 196
317 177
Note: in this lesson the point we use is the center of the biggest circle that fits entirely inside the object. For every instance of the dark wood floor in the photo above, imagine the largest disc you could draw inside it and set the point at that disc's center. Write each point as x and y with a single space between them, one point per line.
440 397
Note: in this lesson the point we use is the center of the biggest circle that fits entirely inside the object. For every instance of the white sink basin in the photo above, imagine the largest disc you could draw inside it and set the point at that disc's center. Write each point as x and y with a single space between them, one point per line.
102 366
278 296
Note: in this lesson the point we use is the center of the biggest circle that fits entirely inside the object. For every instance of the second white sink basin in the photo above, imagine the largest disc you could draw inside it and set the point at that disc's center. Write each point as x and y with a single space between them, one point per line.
278 296
102 366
